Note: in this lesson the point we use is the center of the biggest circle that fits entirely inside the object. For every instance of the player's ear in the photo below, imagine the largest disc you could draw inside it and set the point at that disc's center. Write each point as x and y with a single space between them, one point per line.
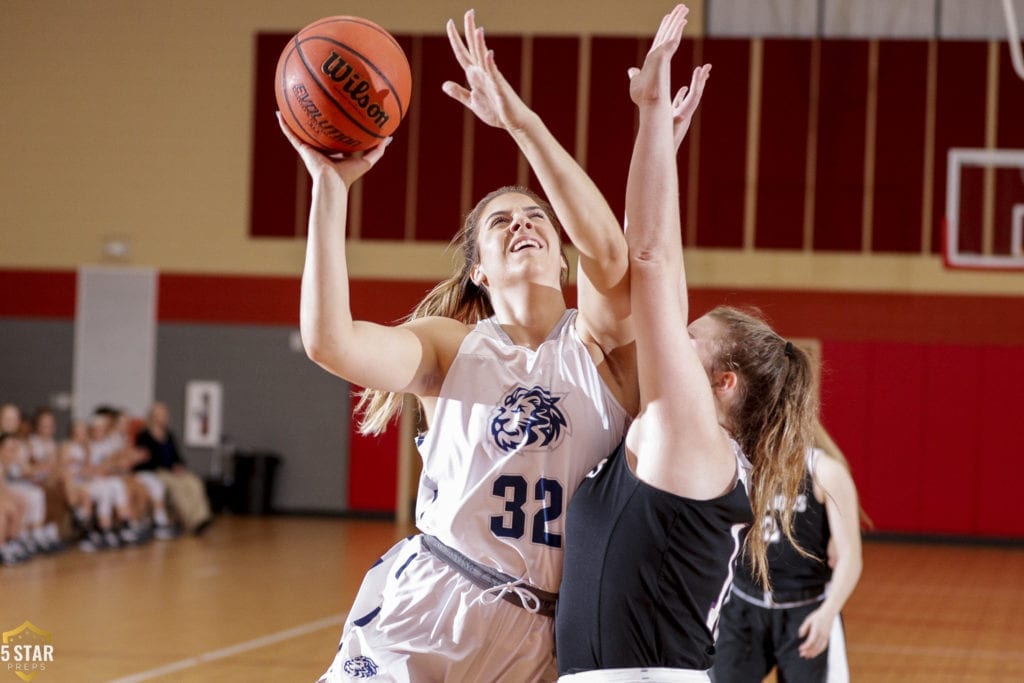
476 275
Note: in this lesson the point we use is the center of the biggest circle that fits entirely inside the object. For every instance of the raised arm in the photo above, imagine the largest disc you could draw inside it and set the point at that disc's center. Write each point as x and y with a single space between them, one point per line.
835 485
580 206
404 358
676 438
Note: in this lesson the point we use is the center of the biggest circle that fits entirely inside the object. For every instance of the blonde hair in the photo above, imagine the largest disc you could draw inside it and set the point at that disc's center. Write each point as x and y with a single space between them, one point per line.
773 420
458 297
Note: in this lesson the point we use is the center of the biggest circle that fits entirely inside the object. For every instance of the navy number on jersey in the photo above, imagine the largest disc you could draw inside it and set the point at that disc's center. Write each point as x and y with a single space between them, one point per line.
515 491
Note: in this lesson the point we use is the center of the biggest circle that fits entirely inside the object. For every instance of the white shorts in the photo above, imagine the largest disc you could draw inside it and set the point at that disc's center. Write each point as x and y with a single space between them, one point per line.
415 619
649 675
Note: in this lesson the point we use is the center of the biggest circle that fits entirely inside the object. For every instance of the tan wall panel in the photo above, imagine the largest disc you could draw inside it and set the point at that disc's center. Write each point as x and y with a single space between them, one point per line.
132 119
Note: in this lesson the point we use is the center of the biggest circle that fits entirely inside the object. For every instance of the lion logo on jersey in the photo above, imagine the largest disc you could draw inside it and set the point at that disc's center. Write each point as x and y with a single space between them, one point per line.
361 667
528 417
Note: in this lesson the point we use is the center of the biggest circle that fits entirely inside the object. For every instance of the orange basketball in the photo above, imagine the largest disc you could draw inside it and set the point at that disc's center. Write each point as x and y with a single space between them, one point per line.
343 84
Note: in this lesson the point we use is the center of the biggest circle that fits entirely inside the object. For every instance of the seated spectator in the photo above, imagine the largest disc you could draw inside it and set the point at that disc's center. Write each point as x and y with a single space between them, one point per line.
12 515
146 490
10 418
186 490
105 463
36 535
43 461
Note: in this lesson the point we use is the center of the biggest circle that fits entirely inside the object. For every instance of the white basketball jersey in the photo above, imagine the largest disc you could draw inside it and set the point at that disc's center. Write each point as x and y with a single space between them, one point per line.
514 432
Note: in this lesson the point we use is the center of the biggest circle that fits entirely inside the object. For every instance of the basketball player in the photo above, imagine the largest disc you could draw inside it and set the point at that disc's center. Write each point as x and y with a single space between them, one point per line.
521 396
797 625
653 532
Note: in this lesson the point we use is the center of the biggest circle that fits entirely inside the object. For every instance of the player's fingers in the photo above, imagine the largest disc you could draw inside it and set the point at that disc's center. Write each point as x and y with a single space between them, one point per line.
462 55
456 92
677 101
632 71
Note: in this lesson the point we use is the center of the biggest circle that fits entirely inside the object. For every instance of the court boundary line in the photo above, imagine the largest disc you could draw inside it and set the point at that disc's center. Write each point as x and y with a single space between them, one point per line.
231 650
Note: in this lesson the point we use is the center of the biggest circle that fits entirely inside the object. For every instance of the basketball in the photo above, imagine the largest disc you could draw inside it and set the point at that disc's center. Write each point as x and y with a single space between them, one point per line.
343 84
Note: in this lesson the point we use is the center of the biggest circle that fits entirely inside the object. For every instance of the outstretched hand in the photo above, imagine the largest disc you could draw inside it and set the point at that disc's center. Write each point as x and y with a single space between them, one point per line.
348 167
685 103
650 83
489 95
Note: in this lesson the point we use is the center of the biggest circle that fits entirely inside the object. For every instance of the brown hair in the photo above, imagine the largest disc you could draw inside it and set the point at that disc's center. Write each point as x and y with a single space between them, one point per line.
772 419
457 297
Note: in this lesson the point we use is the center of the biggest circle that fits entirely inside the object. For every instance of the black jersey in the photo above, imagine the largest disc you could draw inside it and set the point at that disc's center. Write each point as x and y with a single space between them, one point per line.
792 575
646 572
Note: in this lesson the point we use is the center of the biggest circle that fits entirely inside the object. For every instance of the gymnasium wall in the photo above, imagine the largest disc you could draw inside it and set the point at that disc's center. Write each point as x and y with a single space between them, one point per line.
156 142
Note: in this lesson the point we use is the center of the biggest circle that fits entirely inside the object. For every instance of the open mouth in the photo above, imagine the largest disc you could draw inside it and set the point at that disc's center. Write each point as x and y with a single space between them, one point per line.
525 243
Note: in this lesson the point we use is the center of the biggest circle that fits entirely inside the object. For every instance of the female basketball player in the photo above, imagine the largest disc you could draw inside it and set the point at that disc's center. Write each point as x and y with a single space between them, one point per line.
653 532
797 625
521 396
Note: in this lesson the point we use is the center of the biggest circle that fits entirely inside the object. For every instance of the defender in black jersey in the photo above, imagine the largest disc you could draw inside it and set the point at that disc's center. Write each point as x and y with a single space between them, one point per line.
649 571
797 626
653 534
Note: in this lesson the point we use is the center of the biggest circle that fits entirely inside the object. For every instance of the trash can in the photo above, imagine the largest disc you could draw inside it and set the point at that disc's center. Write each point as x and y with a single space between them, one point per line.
252 487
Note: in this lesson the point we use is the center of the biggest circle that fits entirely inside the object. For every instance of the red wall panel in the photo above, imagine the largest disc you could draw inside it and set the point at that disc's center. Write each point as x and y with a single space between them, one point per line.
1009 135
959 112
38 293
384 188
948 454
839 191
899 147
611 118
373 468
495 154
555 98
999 450
782 154
439 165
276 168
723 143
846 406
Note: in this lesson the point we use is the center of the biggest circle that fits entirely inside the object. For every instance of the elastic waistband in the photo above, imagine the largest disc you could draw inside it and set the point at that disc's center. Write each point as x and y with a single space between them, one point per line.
779 600
515 591
633 675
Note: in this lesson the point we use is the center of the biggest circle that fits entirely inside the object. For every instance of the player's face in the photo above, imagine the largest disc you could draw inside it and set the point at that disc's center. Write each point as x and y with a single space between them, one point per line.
47 425
516 240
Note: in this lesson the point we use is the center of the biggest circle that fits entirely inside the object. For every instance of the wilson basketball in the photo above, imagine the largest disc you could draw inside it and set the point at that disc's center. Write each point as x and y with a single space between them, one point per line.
343 84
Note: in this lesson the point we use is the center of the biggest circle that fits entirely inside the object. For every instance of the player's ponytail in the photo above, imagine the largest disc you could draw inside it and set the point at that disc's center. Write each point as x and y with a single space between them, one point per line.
773 420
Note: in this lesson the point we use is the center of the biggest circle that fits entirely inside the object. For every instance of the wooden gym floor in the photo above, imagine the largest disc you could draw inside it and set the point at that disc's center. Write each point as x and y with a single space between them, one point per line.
263 598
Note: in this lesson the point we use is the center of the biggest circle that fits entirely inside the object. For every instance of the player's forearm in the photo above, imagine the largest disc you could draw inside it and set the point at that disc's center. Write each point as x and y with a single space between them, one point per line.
582 209
325 317
845 576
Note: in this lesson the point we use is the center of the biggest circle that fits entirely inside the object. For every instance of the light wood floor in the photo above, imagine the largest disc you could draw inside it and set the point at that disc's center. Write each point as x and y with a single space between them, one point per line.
262 599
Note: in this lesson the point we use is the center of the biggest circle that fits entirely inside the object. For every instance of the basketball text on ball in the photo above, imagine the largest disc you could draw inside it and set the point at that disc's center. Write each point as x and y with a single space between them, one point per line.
343 84
338 70
316 119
